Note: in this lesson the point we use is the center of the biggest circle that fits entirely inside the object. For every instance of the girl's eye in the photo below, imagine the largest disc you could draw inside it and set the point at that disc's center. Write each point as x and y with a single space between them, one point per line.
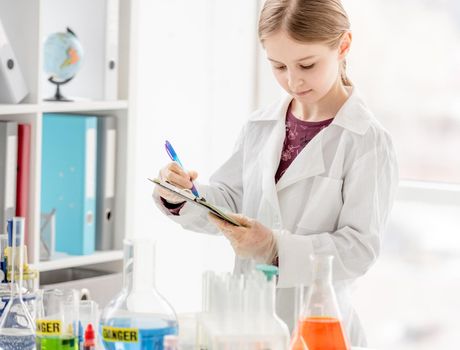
308 67
280 67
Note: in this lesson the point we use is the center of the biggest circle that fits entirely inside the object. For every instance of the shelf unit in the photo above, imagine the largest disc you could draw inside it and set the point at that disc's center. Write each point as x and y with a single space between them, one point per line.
25 22
64 262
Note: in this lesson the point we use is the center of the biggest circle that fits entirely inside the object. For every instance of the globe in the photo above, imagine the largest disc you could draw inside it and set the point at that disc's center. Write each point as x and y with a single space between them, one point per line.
63 58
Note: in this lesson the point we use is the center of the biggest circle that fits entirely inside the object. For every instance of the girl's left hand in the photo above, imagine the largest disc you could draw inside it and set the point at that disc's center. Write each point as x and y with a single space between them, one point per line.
251 240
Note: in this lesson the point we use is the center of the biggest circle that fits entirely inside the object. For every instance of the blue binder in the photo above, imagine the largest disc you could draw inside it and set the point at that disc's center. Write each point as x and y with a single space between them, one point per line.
68 181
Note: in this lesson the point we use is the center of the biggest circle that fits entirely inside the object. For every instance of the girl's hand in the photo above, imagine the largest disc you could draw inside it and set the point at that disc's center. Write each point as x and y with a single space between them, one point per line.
252 240
175 175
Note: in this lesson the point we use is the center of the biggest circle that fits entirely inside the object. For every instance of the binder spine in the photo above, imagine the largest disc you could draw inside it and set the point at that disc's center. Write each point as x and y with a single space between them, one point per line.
111 50
8 162
106 163
68 179
89 210
23 177
13 88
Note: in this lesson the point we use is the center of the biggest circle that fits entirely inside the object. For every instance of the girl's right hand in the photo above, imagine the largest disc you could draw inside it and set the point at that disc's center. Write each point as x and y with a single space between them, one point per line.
174 174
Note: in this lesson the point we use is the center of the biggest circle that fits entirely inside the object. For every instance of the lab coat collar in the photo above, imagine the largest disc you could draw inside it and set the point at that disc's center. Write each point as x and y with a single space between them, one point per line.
353 115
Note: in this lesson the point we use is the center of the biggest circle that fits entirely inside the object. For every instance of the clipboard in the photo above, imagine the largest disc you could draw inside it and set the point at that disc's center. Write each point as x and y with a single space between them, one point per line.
199 201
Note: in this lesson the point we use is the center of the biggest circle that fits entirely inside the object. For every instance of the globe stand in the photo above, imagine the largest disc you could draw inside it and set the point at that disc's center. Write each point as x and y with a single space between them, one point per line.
58 96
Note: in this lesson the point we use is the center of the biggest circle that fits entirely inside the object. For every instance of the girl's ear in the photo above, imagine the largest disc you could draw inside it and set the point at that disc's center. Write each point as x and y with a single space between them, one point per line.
344 45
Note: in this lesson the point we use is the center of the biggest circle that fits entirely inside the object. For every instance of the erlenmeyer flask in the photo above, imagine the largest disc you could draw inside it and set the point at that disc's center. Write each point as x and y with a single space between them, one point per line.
138 318
297 341
17 328
320 322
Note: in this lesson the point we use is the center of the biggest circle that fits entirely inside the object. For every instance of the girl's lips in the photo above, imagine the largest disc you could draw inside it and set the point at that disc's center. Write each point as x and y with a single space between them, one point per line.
302 93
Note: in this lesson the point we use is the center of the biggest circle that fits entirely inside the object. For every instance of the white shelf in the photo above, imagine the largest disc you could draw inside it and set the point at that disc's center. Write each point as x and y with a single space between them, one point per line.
68 261
77 106
17 109
56 107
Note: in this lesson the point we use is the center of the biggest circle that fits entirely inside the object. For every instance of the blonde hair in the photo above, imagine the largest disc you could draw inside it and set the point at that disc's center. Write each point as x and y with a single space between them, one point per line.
306 21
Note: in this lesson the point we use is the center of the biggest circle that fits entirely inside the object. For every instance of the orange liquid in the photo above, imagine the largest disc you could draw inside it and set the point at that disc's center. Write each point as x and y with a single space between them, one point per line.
323 333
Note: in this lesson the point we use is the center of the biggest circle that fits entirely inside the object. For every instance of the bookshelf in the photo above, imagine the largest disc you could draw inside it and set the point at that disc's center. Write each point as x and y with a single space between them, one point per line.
27 23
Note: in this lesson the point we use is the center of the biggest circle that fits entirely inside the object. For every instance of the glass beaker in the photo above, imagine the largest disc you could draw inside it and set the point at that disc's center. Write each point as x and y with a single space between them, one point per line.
57 320
138 318
320 324
17 328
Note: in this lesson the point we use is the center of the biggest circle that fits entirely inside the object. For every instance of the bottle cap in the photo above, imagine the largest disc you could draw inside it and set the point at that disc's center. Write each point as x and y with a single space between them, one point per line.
89 333
268 270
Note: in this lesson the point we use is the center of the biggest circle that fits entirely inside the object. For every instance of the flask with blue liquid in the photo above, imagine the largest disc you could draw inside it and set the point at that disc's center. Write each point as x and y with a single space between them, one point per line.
138 318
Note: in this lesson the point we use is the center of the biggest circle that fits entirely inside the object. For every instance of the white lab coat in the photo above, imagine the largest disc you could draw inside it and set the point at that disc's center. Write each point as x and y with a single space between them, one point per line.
334 198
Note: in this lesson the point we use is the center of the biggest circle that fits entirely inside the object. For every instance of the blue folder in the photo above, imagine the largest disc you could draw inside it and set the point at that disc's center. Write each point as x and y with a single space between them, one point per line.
68 181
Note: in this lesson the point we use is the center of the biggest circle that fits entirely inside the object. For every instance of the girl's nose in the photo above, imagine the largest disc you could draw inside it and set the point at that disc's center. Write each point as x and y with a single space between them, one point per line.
295 82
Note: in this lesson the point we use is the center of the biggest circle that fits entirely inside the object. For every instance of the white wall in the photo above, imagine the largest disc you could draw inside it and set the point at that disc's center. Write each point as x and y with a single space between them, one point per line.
196 89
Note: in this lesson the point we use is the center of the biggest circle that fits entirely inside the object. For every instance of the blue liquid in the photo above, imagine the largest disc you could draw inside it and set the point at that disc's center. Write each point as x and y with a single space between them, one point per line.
149 338
16 339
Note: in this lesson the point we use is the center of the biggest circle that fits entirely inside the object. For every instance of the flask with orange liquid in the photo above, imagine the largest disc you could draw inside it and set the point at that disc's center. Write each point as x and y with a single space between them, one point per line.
320 323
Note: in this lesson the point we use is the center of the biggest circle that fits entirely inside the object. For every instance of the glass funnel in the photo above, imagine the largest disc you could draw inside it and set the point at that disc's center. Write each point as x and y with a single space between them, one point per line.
138 318
320 323
17 328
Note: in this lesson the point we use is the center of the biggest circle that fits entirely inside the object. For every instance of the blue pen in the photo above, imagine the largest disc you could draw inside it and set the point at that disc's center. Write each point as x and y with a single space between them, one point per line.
173 155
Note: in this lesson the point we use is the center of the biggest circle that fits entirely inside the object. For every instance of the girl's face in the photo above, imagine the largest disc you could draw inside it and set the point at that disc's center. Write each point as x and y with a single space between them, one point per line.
307 71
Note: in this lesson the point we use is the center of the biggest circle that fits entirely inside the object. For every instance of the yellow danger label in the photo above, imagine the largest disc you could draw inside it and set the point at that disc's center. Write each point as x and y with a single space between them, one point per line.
49 327
125 335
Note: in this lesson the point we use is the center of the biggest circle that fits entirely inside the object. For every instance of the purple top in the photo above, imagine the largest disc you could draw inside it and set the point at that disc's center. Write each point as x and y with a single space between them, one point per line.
173 208
298 134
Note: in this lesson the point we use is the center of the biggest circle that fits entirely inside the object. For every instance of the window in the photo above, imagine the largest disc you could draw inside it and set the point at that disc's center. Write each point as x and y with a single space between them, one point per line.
405 61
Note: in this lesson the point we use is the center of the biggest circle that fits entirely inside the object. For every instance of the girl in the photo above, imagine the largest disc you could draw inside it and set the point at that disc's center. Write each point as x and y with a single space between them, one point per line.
314 172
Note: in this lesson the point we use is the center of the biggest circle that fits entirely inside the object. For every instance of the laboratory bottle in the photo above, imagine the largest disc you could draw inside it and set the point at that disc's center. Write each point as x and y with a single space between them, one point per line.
269 322
138 318
320 323
17 327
